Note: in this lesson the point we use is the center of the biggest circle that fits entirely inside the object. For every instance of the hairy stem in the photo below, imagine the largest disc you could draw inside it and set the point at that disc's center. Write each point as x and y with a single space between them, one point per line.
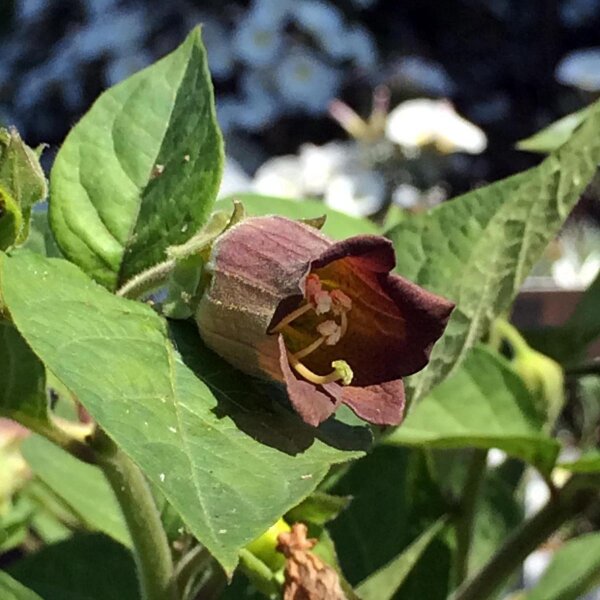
150 545
466 516
147 280
579 492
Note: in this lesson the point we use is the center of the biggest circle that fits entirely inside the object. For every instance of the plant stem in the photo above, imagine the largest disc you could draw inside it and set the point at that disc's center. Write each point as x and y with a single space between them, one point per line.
467 509
147 280
574 497
150 545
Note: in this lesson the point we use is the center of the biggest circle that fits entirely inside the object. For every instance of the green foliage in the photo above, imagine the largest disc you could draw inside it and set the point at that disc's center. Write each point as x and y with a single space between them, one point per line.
85 567
568 343
22 184
82 487
132 191
395 500
555 135
337 225
10 589
588 462
574 570
477 249
484 404
189 420
141 170
23 392
383 584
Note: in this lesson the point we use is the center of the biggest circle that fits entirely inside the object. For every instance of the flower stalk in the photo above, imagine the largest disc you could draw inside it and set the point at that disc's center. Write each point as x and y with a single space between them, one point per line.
150 545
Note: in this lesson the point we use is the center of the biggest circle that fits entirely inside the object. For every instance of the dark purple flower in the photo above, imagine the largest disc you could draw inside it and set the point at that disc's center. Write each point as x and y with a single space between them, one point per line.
325 318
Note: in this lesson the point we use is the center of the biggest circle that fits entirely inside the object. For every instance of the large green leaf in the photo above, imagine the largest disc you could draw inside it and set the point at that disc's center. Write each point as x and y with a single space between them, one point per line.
394 502
85 567
384 583
498 513
337 225
11 589
141 170
80 485
477 249
22 379
205 437
574 570
484 404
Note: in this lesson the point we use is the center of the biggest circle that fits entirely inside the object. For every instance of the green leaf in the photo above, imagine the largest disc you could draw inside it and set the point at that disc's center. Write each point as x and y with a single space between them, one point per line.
337 225
80 485
574 570
141 170
22 184
589 462
319 508
554 135
23 392
11 220
395 501
498 514
41 239
10 589
199 430
383 584
477 249
483 405
21 174
85 567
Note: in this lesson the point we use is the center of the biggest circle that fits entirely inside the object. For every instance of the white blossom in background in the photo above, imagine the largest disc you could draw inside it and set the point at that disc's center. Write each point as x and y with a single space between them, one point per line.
580 69
358 193
318 164
306 82
424 75
420 122
280 176
579 263
235 180
257 42
406 196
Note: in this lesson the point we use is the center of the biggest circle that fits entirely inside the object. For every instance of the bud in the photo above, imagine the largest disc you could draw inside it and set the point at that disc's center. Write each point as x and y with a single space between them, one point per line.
326 319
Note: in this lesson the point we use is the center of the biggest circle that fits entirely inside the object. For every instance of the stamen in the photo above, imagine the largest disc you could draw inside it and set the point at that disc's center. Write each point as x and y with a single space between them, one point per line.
322 302
309 349
344 326
341 372
331 331
292 317
341 302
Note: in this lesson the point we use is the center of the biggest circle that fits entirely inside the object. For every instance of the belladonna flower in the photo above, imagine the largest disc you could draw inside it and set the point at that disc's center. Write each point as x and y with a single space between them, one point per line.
326 319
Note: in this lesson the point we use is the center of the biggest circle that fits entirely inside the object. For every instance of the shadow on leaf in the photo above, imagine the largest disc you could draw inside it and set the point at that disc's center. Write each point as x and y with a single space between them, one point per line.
259 408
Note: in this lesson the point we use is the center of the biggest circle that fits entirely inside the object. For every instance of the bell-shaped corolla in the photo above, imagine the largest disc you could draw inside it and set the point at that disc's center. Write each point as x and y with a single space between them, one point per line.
326 319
